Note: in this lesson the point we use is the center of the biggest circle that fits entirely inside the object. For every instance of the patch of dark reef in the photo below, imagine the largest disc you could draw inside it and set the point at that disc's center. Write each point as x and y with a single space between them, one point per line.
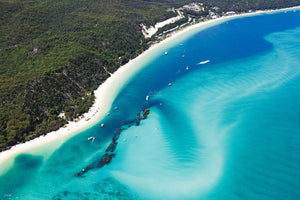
109 154
108 188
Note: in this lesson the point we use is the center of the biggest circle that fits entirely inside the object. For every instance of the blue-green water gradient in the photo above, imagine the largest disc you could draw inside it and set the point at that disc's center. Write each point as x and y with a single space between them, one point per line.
227 129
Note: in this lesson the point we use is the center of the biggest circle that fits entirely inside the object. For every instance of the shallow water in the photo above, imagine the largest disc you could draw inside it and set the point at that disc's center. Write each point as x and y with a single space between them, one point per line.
229 128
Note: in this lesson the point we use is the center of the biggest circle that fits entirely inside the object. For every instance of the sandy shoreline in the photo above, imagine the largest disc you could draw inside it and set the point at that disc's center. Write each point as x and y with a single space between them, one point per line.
148 32
105 94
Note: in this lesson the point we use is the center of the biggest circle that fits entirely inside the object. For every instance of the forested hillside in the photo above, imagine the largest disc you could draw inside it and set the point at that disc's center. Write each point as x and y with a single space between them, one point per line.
53 54
245 5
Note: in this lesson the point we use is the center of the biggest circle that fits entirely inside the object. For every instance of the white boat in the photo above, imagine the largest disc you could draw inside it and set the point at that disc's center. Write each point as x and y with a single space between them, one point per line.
187 68
203 62
169 84
102 125
166 53
91 138
147 98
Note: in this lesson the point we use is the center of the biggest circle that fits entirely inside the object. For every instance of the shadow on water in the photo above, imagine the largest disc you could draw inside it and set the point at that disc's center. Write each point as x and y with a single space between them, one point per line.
24 168
181 136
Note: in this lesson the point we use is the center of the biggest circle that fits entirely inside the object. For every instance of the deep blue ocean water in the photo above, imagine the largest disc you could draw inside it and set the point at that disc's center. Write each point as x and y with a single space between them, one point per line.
227 129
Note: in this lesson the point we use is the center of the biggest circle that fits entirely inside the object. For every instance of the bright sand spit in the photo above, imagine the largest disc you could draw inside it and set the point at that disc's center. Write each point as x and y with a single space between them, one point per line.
106 93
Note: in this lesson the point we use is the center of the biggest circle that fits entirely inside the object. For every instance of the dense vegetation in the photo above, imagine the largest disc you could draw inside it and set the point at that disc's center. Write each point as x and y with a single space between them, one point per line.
246 5
53 54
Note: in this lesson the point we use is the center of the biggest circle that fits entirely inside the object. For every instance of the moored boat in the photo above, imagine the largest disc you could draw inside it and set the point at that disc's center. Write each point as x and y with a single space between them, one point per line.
203 62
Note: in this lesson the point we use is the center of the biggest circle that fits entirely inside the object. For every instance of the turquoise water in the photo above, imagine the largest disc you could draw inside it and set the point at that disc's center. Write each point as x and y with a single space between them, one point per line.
227 129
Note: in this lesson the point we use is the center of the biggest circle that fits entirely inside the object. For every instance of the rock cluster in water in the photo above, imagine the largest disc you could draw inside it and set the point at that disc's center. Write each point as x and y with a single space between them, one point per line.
109 152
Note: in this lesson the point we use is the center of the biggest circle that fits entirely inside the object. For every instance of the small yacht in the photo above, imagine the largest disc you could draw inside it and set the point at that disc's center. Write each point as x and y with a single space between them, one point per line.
102 125
166 53
203 62
147 98
91 138
169 84
187 68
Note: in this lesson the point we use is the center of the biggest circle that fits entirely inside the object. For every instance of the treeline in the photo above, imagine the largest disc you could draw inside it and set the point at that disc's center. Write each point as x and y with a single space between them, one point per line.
246 5
172 25
53 54
220 7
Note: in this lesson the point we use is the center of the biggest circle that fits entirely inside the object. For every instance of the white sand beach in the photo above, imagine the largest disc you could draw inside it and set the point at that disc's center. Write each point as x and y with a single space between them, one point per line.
106 93
149 32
